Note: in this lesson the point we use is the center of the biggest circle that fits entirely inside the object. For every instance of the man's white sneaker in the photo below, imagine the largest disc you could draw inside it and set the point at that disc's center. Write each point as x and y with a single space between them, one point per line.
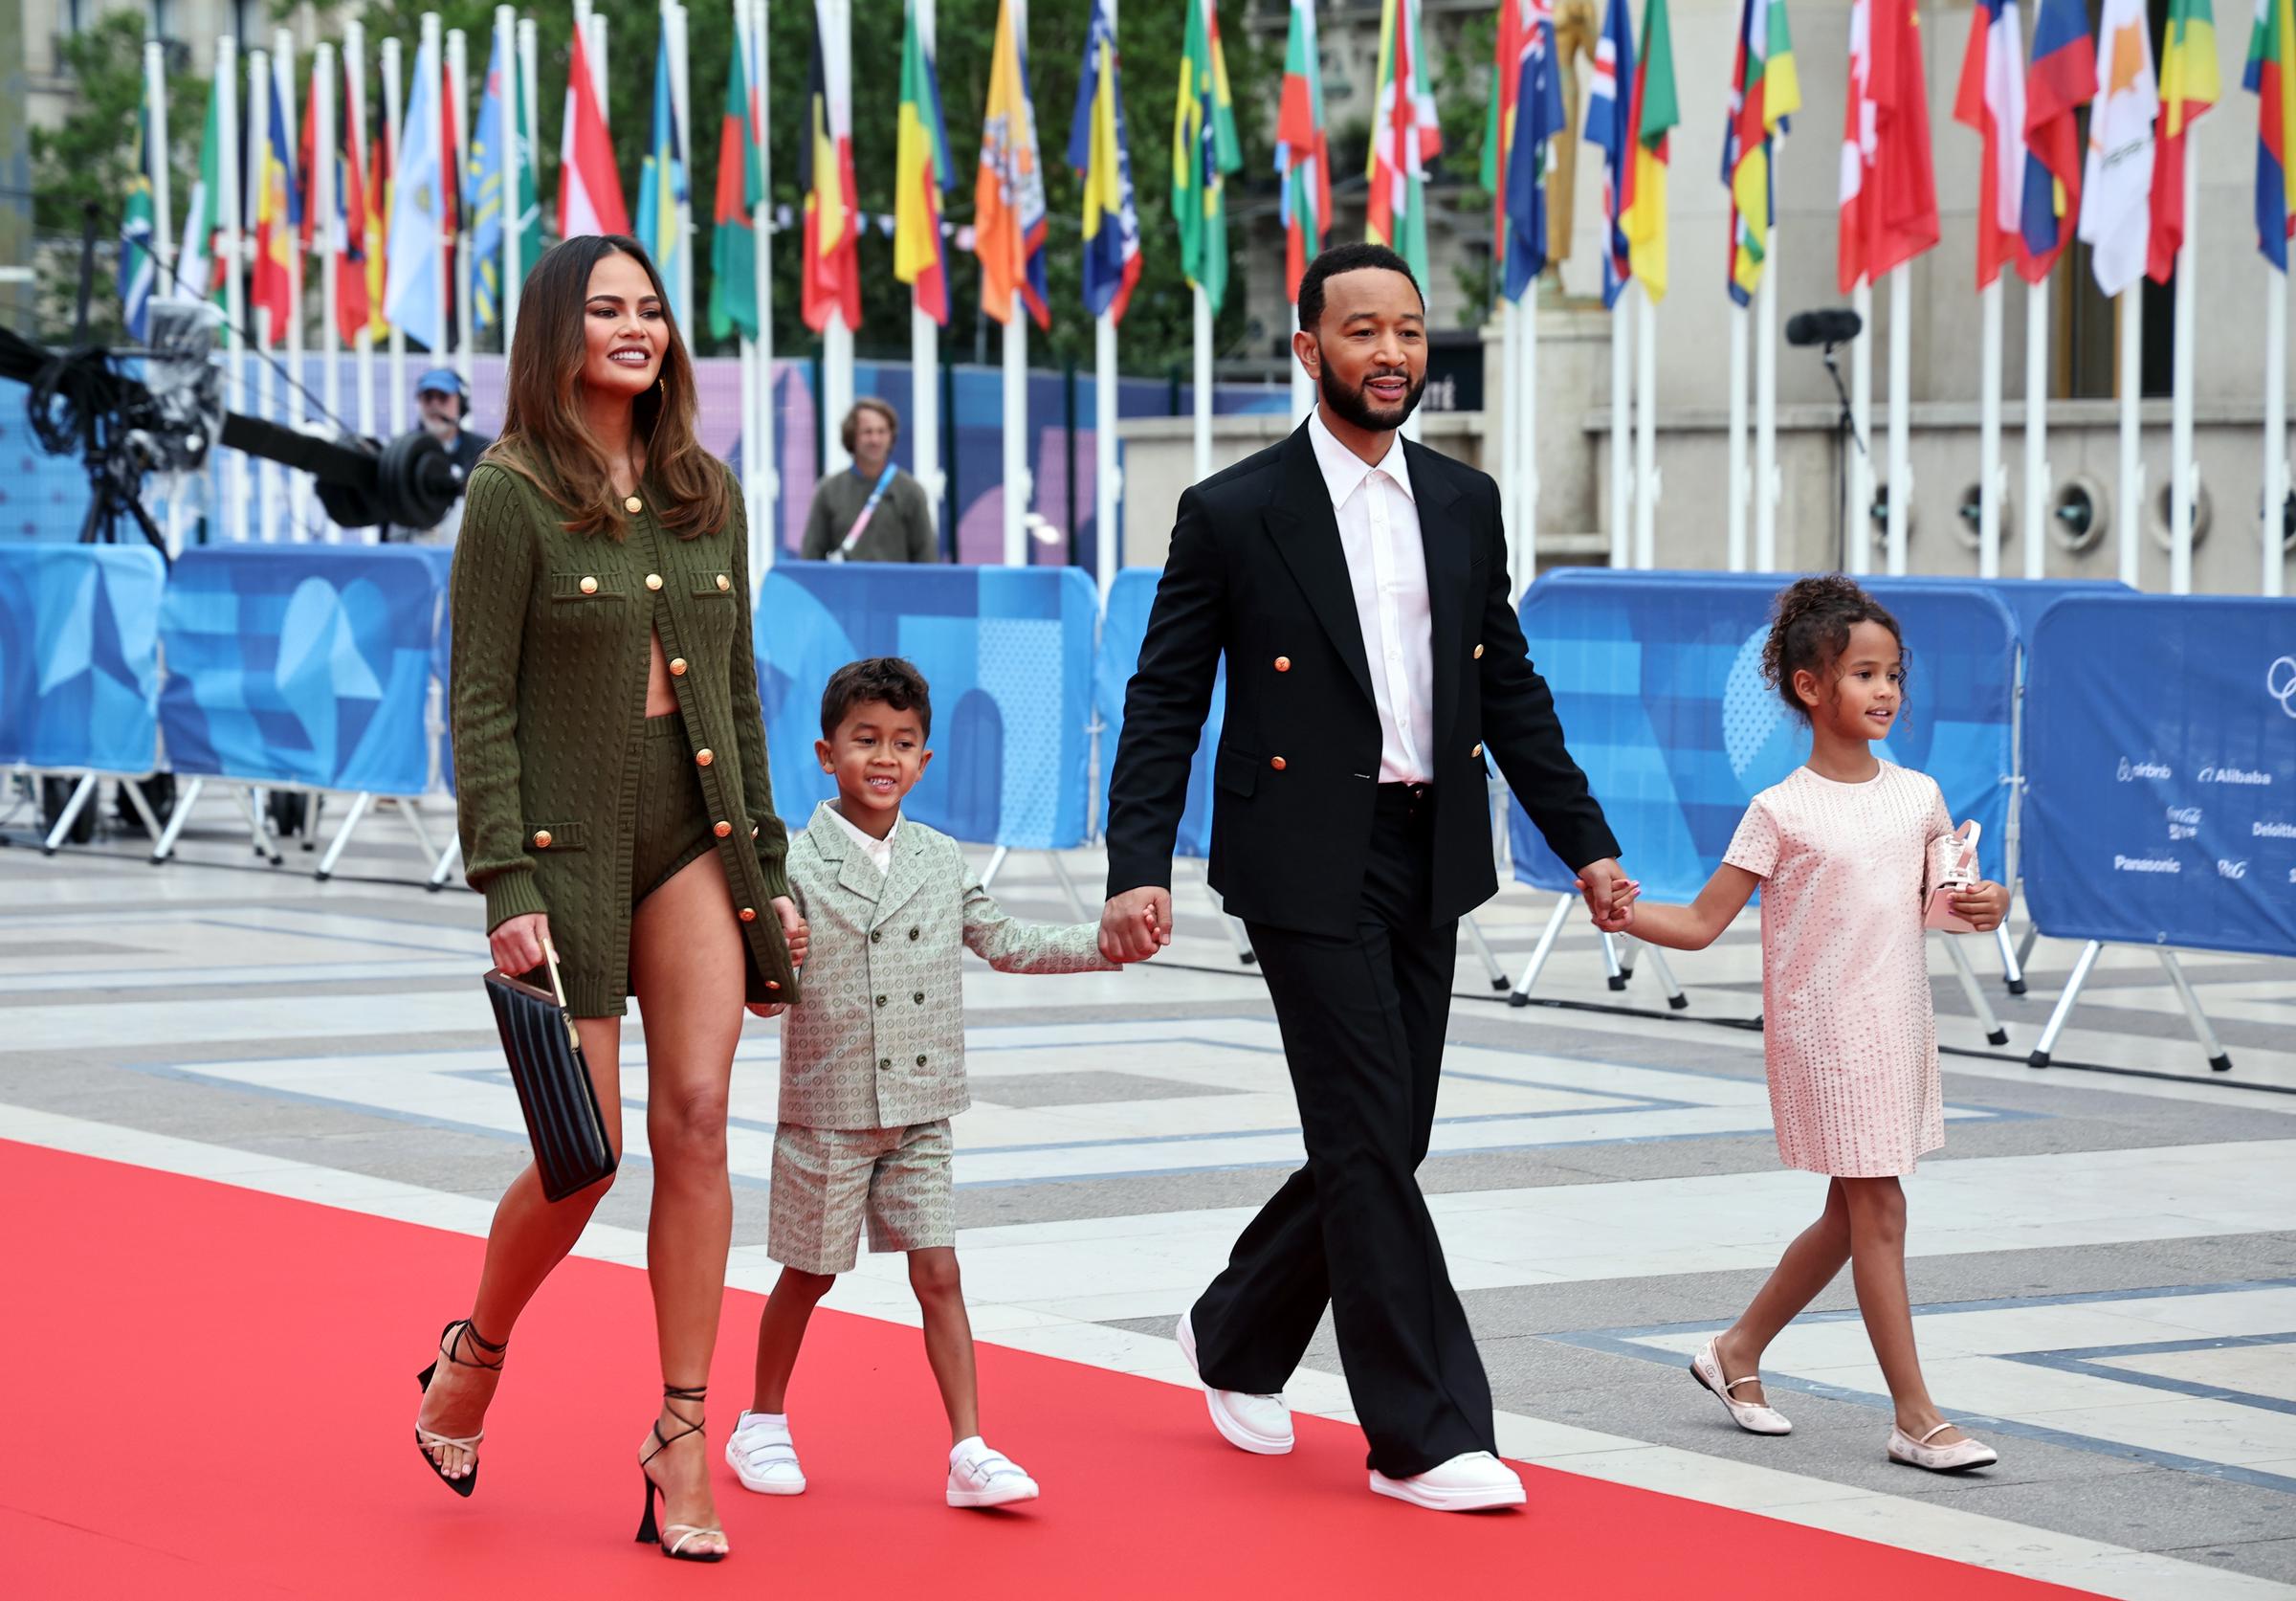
1473 1482
982 1476
1261 1424
763 1456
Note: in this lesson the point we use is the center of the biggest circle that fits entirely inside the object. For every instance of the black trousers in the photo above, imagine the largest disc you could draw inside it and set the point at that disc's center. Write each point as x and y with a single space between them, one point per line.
1362 1020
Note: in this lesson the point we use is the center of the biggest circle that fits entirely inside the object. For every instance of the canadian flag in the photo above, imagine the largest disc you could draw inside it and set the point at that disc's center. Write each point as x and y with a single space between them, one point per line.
589 190
1888 191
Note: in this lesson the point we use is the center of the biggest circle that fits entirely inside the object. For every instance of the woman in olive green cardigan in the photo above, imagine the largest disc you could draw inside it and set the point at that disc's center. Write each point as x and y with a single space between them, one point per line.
611 764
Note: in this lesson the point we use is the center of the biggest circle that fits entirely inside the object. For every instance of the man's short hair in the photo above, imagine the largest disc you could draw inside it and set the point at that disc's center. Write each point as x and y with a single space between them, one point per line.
1347 258
851 429
889 678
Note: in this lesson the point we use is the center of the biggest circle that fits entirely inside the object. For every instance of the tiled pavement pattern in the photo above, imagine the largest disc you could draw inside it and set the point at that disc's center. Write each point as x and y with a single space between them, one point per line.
2104 1261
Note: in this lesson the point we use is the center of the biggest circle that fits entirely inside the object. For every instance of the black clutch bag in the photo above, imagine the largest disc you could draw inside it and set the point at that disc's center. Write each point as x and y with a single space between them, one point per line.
570 1148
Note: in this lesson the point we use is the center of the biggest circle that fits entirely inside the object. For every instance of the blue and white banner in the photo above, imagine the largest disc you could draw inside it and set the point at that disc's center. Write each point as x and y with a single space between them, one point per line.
1122 629
1658 680
80 669
302 665
1009 654
2161 754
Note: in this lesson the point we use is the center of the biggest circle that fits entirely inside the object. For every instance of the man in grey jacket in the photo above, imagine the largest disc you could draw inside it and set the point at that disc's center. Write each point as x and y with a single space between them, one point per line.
872 511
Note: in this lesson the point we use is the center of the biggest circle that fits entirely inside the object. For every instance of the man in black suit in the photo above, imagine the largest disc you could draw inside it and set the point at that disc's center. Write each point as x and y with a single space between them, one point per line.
1358 584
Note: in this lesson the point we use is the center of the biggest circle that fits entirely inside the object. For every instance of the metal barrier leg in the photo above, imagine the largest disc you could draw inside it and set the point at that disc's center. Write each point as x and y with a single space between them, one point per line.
448 860
2013 961
1060 871
15 788
185 801
2202 1030
359 802
255 803
1675 998
1540 951
134 793
2047 1042
411 810
1995 1034
989 874
1615 973
2024 946
64 819
1490 963
1624 946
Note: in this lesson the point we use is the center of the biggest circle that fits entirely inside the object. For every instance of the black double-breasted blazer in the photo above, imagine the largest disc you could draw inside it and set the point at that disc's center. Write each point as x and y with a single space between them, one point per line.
1256 571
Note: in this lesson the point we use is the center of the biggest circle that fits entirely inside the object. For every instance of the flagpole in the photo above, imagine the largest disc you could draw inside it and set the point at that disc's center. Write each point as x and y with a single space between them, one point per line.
393 102
1504 438
1204 384
1767 486
836 338
680 111
1858 533
259 91
2275 427
1622 388
1646 430
765 534
457 91
293 484
2037 426
512 90
1989 433
924 348
1526 444
228 174
1738 377
2133 463
362 342
1107 488
322 197
163 234
2183 471
429 40
1901 420
530 118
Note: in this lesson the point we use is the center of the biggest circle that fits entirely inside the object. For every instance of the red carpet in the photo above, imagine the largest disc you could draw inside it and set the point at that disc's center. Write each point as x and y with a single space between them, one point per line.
210 1394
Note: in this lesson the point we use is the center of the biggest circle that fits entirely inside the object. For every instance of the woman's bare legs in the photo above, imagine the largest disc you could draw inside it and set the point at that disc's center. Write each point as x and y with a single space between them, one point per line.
1877 1263
687 966
530 1236
1806 1269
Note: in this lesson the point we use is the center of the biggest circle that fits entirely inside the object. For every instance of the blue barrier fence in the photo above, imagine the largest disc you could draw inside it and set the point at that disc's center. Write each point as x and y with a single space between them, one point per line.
79 670
1122 628
1657 678
1008 653
2160 750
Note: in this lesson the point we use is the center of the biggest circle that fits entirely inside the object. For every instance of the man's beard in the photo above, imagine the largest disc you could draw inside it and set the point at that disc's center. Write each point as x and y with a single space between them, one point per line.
1353 405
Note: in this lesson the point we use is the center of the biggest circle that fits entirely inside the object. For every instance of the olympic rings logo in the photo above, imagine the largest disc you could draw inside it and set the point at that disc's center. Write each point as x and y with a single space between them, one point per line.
2280 682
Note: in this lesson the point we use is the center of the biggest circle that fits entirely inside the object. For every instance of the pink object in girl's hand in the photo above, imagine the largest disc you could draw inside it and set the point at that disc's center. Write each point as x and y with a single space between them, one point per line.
1939 914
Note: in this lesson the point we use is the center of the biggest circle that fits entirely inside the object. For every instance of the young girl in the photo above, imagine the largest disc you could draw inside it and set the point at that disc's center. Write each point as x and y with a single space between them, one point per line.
1844 852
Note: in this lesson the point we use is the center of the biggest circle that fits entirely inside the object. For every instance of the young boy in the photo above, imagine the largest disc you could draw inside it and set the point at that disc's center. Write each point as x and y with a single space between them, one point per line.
872 1066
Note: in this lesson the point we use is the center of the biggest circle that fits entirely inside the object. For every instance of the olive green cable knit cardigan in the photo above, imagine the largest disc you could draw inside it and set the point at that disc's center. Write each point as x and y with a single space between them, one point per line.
551 652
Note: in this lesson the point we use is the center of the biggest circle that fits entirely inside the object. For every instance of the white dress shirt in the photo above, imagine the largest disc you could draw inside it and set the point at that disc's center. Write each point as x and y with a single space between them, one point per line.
880 851
1387 569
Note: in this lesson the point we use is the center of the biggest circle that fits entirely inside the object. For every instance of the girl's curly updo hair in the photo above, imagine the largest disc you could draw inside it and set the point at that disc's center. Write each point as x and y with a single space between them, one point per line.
1809 630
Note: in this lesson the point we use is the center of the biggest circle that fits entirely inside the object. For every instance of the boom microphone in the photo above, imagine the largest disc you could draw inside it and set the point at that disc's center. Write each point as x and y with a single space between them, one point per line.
1834 325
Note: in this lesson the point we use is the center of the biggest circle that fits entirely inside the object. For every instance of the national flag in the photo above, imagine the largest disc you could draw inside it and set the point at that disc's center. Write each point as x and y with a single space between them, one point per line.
2062 78
349 223
2116 216
1203 151
1099 150
1765 90
276 216
1992 101
1404 137
1537 119
589 188
828 268
384 162
1610 130
665 196
137 267
2188 85
1008 190
1498 126
740 186
1303 156
1653 114
491 150
415 302
1888 186
922 173
199 269
307 162
2272 74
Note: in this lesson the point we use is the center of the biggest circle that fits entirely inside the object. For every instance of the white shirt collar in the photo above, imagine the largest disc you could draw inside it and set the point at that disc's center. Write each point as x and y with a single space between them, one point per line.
880 851
1344 471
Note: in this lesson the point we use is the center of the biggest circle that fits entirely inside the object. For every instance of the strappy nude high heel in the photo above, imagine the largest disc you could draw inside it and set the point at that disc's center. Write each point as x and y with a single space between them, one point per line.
450 1341
647 1528
1752 1416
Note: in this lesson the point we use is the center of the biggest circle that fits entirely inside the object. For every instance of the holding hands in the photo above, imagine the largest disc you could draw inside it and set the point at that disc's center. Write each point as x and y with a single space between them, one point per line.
1135 925
1611 895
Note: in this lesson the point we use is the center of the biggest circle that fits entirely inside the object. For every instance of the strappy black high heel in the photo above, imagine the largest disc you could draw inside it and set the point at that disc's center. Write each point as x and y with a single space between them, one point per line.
450 1341
647 1529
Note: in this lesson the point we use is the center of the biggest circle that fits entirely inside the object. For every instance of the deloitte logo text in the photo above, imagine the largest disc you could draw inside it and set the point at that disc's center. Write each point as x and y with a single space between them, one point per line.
2132 770
2147 864
2272 831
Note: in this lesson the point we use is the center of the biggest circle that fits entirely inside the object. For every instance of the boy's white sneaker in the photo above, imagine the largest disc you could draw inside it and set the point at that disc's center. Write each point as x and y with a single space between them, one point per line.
982 1476
763 1456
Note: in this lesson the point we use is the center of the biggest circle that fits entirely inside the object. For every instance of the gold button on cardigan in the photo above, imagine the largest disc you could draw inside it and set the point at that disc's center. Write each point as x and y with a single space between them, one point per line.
552 644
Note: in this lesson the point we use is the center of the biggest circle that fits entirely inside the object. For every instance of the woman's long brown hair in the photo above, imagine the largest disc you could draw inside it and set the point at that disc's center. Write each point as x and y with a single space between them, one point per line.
545 435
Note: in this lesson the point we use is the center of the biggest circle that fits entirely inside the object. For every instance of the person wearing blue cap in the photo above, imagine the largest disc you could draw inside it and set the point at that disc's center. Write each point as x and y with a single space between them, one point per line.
444 401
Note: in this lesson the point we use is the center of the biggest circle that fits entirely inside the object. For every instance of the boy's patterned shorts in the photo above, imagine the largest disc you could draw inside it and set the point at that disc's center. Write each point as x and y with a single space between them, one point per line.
827 1181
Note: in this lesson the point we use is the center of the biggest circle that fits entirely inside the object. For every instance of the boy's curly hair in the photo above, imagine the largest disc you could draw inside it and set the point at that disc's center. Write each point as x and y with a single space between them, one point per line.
889 678
1809 630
